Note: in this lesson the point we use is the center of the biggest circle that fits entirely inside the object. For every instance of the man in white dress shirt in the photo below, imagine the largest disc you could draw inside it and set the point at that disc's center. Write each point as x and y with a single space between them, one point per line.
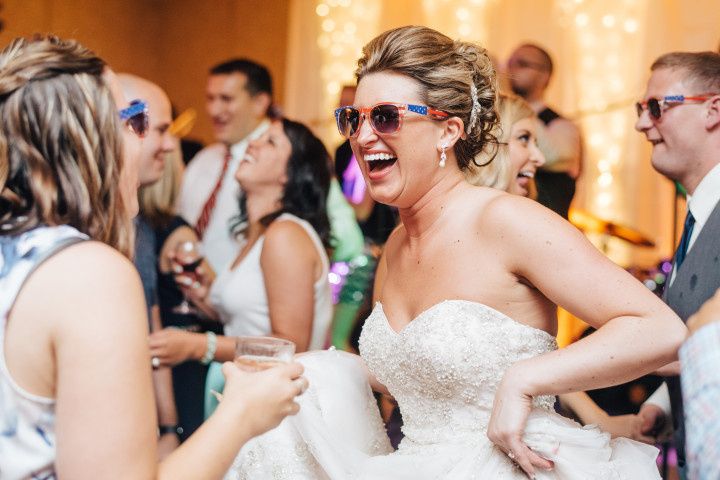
238 98
680 116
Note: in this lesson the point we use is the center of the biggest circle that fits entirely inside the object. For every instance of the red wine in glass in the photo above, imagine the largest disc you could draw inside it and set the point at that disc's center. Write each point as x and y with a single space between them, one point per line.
189 255
192 266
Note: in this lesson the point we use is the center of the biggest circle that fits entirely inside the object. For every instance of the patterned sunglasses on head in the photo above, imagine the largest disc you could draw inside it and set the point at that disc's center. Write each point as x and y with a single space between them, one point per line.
136 117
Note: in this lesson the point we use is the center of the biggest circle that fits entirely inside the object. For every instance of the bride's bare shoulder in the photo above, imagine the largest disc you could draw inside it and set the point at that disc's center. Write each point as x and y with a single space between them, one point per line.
501 213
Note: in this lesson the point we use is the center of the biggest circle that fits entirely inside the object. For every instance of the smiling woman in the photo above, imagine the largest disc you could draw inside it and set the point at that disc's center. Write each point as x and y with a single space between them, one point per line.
462 332
278 283
518 156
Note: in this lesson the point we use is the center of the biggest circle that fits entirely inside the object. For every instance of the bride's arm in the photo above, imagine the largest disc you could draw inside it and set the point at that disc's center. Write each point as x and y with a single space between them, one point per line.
636 332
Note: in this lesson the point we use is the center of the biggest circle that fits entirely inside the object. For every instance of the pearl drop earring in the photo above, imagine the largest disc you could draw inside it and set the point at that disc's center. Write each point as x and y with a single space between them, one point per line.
443 156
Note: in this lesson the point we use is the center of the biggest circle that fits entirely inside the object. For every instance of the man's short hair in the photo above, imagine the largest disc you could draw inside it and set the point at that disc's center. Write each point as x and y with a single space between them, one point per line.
546 58
702 68
258 77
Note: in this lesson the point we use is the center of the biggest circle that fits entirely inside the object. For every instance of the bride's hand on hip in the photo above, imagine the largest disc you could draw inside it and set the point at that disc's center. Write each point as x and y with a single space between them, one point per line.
511 408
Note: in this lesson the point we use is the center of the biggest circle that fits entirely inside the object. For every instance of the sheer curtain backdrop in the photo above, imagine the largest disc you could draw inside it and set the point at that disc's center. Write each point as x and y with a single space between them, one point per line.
602 51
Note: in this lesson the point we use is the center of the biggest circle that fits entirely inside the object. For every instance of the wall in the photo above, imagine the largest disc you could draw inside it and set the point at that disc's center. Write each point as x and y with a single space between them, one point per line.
197 35
172 42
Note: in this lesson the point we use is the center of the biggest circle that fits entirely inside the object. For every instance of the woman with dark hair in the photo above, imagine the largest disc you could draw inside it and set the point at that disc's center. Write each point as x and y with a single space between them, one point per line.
278 284
76 396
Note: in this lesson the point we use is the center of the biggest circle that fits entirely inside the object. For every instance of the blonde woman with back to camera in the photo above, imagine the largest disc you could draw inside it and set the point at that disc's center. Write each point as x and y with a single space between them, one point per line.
462 333
75 385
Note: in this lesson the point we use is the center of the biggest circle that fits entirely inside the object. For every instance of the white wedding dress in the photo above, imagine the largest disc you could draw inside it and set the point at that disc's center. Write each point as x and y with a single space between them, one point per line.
443 369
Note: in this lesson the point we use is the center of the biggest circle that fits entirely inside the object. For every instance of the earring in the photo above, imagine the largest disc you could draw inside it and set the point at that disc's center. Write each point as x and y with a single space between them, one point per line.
443 156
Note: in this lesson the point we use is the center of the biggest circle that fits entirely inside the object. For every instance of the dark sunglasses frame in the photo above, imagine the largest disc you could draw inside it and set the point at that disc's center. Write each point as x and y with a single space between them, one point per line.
656 106
136 117
348 130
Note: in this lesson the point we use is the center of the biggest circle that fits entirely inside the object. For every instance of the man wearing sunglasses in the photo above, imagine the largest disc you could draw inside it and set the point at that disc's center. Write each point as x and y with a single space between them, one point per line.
680 116
156 144
529 70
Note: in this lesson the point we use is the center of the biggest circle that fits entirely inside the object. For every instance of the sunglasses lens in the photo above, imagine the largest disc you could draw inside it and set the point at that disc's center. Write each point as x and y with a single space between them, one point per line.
347 121
139 124
639 109
653 105
385 118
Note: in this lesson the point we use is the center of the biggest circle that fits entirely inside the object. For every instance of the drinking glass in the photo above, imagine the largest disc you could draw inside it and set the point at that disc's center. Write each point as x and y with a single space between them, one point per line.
259 353
189 255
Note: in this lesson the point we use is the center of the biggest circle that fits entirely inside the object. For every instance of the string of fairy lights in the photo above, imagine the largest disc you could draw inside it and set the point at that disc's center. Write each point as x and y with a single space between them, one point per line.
606 43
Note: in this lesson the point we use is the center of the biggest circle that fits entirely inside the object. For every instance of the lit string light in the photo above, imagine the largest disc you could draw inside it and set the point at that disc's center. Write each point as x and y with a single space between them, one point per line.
607 49
461 19
345 26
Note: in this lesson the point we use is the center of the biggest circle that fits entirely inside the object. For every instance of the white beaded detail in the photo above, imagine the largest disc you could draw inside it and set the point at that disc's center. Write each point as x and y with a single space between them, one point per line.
444 367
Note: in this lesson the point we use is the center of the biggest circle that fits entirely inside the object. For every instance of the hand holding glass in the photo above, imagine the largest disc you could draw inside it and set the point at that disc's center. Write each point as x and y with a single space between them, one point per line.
259 353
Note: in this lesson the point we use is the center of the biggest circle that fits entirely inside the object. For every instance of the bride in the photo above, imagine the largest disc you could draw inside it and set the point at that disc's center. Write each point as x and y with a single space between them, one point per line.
462 333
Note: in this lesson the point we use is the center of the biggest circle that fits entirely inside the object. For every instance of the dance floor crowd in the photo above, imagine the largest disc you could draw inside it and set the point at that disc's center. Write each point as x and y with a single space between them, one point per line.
258 308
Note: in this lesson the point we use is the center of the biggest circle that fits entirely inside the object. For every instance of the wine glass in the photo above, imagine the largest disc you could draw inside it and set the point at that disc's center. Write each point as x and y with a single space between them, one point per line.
260 353
189 255
254 354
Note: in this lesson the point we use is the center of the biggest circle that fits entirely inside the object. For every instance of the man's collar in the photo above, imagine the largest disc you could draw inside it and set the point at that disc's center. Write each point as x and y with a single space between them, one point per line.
707 194
239 147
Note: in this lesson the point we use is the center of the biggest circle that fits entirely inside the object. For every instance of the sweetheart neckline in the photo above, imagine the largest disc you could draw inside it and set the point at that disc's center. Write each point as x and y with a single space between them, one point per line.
420 315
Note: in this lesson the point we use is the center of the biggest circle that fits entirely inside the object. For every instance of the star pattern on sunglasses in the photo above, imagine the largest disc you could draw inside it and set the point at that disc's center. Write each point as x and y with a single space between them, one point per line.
656 106
385 118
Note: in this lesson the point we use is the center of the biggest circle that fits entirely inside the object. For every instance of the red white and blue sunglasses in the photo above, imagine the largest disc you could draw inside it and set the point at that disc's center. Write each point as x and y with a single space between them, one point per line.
656 106
136 117
385 118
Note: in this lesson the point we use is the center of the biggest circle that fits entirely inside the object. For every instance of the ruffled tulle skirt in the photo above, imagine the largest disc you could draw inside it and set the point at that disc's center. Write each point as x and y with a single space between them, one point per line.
339 435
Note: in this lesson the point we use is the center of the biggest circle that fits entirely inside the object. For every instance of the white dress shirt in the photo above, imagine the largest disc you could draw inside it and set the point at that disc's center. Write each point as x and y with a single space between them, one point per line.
701 203
200 178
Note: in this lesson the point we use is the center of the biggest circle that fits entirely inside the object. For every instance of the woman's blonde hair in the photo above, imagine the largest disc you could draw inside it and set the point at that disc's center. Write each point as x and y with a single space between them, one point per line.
60 143
450 74
157 201
511 109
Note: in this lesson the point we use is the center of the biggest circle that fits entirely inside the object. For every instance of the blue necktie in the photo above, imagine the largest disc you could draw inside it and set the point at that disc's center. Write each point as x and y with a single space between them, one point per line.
684 240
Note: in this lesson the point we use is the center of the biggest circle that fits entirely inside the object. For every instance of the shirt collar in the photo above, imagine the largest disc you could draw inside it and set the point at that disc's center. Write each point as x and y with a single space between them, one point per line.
238 149
707 194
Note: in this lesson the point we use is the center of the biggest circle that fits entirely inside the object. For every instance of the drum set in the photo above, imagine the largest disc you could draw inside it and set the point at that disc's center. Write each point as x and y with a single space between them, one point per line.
654 278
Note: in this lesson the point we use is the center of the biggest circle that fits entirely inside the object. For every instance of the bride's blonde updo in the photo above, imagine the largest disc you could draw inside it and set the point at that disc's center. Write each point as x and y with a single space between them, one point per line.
450 73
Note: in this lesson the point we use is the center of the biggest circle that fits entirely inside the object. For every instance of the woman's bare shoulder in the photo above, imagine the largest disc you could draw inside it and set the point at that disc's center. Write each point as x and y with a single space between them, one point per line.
515 212
81 285
284 230
287 240
87 262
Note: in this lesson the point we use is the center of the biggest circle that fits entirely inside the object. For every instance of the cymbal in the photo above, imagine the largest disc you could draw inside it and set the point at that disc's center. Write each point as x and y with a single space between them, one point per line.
588 222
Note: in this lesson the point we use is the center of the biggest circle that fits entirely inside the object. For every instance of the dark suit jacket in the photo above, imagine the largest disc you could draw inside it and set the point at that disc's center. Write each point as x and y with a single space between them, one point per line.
696 281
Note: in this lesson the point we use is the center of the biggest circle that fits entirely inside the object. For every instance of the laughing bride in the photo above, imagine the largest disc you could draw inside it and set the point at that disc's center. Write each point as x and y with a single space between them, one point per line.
462 333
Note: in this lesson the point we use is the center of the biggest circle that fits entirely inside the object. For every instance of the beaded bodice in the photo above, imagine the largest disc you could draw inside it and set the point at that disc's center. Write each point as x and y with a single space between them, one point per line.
444 367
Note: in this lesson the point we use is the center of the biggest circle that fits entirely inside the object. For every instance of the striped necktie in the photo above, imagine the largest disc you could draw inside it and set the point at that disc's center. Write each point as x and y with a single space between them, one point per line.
206 213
